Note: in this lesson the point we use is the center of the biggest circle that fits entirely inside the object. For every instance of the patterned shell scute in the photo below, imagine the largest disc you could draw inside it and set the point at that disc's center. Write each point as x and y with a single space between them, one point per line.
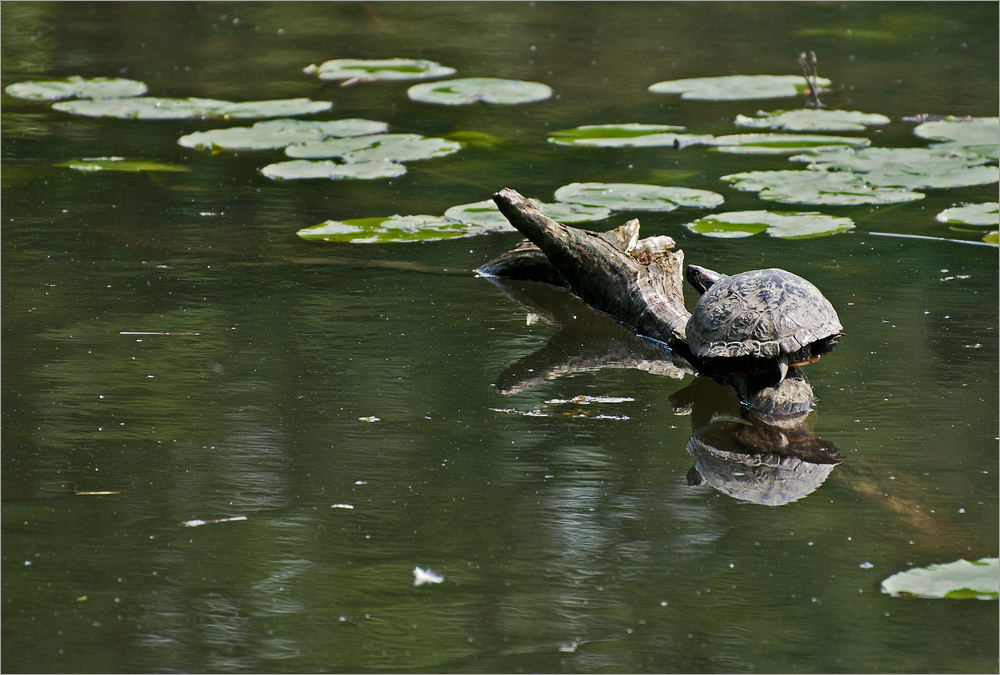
762 313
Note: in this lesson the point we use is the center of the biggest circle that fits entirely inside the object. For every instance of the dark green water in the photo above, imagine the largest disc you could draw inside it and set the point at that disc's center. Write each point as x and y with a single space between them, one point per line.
567 543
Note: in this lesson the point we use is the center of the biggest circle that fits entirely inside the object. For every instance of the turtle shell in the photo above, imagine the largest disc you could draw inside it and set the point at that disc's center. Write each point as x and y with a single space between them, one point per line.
762 314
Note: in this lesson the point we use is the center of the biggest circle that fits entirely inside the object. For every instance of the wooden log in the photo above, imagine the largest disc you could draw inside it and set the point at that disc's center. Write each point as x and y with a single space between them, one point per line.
638 282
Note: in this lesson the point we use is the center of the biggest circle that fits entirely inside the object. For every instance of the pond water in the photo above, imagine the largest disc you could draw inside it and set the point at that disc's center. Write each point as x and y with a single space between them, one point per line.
168 340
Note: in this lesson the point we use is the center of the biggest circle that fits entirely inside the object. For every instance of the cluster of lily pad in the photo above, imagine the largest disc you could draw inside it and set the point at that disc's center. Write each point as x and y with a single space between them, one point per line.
840 169
460 91
364 149
575 203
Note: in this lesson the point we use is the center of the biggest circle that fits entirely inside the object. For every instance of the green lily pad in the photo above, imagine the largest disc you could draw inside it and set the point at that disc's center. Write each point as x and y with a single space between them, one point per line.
354 71
486 214
979 134
736 87
390 230
636 197
912 168
626 135
782 144
812 119
959 579
486 89
785 225
274 134
152 108
383 147
76 87
992 237
119 164
972 214
817 187
303 168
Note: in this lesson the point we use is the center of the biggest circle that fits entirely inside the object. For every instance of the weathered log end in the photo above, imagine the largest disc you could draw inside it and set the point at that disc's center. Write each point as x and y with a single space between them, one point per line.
637 281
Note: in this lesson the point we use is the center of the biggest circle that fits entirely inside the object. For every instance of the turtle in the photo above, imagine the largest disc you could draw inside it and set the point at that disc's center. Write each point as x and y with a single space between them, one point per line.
759 321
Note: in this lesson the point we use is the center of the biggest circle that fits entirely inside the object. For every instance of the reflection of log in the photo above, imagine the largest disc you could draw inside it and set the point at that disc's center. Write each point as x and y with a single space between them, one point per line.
639 282
586 341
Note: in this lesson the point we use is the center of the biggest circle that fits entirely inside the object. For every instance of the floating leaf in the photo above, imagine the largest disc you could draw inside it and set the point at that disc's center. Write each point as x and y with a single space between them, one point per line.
812 119
972 214
152 108
979 134
626 135
390 230
274 134
303 168
963 130
119 164
736 87
817 187
785 225
353 71
474 139
636 197
385 147
782 144
76 87
486 89
959 579
992 237
486 214
906 167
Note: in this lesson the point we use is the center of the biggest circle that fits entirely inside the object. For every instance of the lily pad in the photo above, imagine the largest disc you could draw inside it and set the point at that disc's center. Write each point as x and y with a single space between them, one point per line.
959 579
636 197
76 87
972 214
627 135
785 225
812 119
274 134
383 147
354 71
152 108
817 187
119 164
390 230
979 134
736 87
906 167
486 214
782 144
486 89
303 168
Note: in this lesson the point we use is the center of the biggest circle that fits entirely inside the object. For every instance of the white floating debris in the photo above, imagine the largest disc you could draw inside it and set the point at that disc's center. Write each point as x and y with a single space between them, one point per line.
342 506
585 400
866 565
422 576
369 419
197 523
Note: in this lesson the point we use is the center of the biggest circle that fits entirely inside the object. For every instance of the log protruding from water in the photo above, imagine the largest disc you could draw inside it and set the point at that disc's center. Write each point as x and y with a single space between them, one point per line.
637 281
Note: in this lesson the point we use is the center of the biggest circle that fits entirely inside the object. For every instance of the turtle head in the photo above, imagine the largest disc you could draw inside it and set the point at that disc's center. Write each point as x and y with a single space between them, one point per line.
702 278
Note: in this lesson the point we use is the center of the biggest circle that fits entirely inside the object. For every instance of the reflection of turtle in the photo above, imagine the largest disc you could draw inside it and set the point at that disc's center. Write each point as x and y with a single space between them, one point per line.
770 479
759 321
